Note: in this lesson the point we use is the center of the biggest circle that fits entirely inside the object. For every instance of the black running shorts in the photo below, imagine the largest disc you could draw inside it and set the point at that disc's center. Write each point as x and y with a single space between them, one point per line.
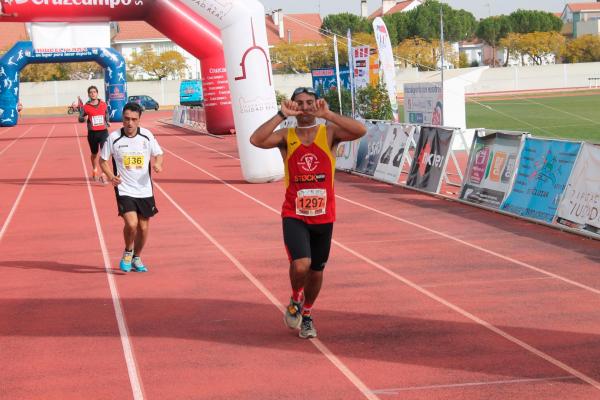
304 240
96 139
143 206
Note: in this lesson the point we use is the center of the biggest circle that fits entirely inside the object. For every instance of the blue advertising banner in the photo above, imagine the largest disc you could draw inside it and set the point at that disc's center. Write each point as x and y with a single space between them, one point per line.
324 79
542 175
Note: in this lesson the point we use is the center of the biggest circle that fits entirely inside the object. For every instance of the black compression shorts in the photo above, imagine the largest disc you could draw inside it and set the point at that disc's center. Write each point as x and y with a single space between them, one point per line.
304 240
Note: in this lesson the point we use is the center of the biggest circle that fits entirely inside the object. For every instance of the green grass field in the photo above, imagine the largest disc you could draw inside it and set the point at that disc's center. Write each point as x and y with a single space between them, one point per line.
566 115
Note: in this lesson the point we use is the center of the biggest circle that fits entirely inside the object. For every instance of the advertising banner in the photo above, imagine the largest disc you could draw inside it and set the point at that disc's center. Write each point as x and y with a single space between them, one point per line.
423 103
346 155
325 79
491 167
373 67
370 147
580 204
430 158
394 152
361 66
544 169
386 58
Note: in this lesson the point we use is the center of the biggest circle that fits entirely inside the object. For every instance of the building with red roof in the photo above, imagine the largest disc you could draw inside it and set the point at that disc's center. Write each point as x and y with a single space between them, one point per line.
581 19
394 6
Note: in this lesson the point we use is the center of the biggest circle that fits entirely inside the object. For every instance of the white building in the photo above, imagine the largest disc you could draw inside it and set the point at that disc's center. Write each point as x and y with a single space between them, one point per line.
133 36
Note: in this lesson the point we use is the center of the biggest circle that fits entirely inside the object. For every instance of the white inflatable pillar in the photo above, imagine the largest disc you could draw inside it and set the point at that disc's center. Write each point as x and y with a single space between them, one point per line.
244 35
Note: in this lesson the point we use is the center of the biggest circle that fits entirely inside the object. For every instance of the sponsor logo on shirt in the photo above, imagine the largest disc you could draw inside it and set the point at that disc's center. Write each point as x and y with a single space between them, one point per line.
309 162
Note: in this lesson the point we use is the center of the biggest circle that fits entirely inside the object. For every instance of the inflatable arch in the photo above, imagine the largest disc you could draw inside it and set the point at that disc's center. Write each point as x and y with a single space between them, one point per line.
23 53
228 36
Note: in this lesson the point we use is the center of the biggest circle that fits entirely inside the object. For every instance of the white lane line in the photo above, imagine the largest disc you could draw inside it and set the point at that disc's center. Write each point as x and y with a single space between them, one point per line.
20 195
463 242
3 131
355 380
132 369
474 246
484 282
394 391
16 140
474 318
424 291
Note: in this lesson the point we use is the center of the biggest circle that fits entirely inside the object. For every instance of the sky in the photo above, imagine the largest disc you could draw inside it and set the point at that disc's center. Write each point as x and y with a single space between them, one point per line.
479 8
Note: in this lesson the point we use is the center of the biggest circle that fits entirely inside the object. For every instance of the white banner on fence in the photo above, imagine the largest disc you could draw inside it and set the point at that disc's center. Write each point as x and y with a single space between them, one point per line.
580 203
394 152
423 103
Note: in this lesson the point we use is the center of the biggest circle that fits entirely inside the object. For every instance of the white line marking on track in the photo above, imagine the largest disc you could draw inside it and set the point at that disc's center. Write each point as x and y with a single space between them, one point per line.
471 384
424 291
134 377
20 195
3 131
16 140
355 380
484 282
474 246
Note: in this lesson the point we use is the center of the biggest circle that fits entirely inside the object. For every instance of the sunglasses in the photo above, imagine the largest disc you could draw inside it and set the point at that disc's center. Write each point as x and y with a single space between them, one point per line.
307 90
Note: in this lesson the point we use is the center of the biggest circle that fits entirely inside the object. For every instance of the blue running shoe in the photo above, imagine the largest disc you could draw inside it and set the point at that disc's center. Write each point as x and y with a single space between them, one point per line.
138 265
125 264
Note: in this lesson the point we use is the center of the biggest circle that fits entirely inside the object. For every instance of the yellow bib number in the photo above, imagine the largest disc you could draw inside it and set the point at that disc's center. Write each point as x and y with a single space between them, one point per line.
134 161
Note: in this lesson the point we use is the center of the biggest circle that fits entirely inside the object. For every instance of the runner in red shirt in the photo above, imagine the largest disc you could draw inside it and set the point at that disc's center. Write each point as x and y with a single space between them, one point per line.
96 111
308 211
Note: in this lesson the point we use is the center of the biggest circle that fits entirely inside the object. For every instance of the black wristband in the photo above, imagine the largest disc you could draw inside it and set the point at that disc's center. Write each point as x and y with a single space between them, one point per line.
281 114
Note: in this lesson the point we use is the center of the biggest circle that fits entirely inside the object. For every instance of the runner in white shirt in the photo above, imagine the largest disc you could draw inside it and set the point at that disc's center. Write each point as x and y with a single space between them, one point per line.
131 149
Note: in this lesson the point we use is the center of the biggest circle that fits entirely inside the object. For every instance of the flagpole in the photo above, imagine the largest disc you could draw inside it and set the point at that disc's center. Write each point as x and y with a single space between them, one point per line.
337 70
442 58
351 69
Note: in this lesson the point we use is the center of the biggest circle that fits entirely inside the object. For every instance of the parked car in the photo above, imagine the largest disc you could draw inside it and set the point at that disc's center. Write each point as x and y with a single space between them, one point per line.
147 102
190 93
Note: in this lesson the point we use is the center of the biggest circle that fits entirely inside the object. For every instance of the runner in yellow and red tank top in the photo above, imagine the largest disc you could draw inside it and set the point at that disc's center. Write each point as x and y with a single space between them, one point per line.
308 211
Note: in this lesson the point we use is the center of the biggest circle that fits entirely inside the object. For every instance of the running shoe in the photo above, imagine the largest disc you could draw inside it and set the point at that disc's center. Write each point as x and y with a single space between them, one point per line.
102 179
293 317
125 264
307 329
138 265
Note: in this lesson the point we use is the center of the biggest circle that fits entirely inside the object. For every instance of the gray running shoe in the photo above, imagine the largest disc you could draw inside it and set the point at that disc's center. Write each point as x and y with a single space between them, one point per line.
293 317
307 329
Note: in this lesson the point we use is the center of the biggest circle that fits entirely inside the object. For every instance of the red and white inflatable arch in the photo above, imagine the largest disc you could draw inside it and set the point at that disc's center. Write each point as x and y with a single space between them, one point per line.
228 36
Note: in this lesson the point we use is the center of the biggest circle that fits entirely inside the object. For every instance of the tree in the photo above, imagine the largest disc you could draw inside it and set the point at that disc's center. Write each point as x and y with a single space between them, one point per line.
425 22
537 45
301 58
372 102
332 99
528 21
168 63
83 70
585 48
492 30
43 73
363 39
416 51
340 23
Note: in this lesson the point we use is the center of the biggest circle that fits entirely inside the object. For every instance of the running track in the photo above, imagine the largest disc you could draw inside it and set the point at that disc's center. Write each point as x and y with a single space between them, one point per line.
423 298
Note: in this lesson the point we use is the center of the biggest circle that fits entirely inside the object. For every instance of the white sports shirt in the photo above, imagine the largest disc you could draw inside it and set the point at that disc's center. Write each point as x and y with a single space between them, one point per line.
131 161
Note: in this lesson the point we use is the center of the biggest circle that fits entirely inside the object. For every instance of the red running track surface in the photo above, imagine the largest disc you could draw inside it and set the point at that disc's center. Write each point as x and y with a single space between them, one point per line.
423 298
